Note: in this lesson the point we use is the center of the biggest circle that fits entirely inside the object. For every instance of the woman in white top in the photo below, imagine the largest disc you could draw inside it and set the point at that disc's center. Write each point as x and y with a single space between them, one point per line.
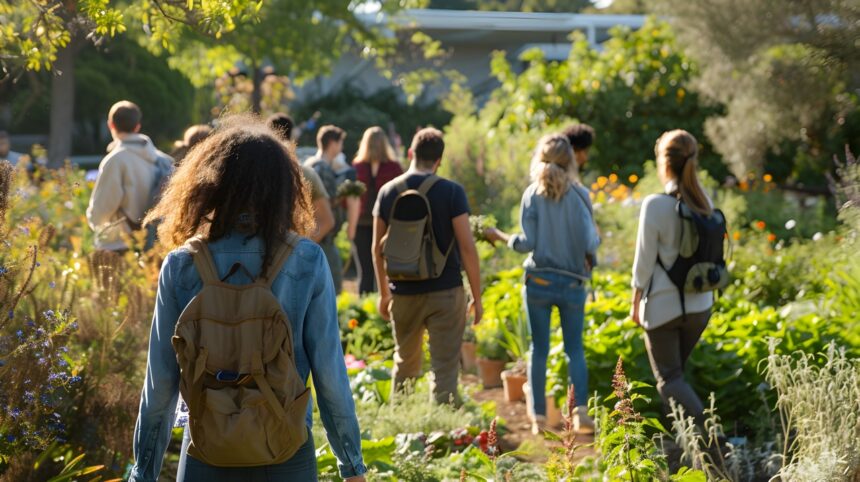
671 331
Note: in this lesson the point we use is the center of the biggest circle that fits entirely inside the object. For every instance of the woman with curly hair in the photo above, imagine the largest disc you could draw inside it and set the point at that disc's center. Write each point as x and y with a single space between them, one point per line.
240 194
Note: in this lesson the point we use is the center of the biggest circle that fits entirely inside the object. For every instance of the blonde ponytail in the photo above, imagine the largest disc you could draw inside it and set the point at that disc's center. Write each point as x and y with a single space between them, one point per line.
557 169
679 149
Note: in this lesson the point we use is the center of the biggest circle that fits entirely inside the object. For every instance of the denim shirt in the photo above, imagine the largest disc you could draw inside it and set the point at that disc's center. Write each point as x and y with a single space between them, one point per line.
558 234
306 292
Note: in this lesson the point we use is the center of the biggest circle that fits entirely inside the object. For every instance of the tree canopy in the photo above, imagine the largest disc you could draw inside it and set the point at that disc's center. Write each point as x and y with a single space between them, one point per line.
786 73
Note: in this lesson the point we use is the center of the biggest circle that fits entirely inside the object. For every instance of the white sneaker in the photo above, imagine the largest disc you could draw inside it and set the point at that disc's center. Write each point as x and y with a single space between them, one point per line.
538 424
582 422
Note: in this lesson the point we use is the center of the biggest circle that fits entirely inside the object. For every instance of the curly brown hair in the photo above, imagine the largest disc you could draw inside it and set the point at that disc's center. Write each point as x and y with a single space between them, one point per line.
239 178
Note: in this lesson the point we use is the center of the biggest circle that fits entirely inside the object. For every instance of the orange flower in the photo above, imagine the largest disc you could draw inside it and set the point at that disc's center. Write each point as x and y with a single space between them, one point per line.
353 324
767 178
760 225
613 178
601 181
744 185
737 235
633 179
771 237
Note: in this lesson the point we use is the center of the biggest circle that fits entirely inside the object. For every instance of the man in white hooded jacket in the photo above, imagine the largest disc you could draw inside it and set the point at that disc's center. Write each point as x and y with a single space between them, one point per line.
127 179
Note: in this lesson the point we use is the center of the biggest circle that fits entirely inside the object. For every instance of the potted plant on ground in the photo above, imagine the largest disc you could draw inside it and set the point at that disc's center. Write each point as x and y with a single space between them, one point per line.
492 356
556 384
468 351
516 342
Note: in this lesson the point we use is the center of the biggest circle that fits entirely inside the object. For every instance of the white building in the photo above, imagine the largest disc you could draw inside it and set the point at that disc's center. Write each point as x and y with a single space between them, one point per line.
470 37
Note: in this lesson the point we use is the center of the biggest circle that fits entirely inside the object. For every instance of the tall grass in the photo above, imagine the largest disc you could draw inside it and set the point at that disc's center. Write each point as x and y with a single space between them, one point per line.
819 406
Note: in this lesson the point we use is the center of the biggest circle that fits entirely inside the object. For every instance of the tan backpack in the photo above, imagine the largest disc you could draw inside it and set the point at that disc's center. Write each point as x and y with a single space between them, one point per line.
409 247
237 369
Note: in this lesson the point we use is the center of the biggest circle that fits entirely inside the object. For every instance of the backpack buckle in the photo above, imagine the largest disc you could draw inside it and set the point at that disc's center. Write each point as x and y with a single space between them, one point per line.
227 376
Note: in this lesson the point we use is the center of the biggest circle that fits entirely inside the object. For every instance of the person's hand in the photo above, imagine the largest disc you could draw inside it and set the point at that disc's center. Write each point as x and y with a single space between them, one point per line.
357 478
493 235
384 306
476 309
634 314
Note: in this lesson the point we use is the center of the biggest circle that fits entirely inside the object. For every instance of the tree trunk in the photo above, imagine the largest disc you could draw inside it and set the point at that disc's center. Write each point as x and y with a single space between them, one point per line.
62 105
257 94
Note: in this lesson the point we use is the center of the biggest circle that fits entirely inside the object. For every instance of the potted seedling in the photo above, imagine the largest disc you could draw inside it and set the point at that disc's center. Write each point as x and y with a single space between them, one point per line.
469 351
515 340
492 356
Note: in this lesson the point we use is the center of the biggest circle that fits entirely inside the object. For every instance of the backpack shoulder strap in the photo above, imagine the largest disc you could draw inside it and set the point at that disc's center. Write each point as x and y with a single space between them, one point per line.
428 183
203 261
282 253
400 185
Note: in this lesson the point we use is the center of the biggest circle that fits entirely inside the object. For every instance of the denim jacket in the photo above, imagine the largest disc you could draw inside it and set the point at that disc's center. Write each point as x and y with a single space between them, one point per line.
305 289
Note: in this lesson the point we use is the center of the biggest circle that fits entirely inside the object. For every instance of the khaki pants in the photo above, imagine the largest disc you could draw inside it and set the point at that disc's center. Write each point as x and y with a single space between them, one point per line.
443 315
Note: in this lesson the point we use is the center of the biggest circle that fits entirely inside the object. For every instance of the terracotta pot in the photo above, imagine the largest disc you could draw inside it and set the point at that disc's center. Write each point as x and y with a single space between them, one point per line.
468 357
553 413
490 372
513 383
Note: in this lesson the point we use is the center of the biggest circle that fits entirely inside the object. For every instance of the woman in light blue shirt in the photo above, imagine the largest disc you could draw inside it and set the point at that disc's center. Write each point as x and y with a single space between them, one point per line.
559 232
242 191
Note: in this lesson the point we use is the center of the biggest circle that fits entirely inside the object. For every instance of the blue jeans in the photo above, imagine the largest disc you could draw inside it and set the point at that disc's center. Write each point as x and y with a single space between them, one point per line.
301 466
543 291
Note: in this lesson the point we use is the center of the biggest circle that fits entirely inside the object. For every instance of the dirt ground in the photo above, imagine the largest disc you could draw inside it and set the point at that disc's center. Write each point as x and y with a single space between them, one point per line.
514 415
519 435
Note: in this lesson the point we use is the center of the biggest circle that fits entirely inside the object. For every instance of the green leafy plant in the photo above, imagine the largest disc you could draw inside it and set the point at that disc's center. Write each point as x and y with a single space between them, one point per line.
480 224
351 188
489 336
516 340
624 441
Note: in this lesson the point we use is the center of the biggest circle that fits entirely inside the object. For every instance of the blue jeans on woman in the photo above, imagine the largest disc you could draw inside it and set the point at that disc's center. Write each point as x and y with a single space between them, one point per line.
301 466
542 292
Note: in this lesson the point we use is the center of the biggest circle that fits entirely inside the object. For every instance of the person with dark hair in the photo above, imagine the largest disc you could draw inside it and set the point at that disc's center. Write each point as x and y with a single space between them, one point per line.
580 137
330 143
6 152
375 166
282 125
234 212
435 302
128 181
193 135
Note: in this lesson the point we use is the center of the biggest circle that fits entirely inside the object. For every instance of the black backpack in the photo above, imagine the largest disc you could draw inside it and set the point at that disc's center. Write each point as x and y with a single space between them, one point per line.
701 264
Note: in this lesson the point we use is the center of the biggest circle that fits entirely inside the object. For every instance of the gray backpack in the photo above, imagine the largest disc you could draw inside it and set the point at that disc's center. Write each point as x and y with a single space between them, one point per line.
409 247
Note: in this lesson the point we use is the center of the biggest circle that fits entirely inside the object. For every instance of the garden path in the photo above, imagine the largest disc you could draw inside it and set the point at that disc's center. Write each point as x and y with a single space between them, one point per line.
519 435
